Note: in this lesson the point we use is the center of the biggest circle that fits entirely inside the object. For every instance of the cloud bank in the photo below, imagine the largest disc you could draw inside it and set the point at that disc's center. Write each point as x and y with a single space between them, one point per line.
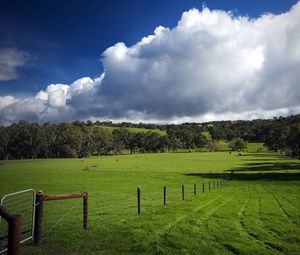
212 65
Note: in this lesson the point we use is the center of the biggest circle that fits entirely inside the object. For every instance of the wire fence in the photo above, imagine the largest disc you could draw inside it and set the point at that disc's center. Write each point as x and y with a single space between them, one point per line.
107 207
55 210
112 207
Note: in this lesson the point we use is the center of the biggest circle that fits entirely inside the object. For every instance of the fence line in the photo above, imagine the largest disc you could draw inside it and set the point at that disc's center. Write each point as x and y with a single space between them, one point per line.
219 185
169 195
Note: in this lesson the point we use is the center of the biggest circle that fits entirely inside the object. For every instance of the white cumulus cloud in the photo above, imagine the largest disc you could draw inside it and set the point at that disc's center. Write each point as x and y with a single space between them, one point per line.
212 65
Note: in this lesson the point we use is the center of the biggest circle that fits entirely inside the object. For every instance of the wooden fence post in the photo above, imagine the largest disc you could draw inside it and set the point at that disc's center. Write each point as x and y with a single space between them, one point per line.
38 225
203 186
14 235
85 210
182 191
138 200
165 195
195 189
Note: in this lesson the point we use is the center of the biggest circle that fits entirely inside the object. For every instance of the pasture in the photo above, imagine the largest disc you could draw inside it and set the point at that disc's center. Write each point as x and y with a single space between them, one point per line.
135 130
258 213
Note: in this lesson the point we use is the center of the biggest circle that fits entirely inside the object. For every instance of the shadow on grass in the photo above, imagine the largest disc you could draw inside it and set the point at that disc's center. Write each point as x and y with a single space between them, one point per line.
263 155
259 159
259 169
250 176
266 166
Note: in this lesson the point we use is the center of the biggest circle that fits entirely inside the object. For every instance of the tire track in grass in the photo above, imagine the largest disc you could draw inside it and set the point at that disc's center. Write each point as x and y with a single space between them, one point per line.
247 233
160 234
240 215
281 208
228 247
292 204
273 232
182 218
215 209
211 213
288 199
277 234
240 225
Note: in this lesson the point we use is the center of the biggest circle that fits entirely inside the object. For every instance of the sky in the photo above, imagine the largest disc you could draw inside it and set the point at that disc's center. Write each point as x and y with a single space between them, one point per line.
163 61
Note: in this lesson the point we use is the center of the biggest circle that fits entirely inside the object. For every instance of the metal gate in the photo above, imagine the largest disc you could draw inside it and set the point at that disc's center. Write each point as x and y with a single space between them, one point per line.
19 203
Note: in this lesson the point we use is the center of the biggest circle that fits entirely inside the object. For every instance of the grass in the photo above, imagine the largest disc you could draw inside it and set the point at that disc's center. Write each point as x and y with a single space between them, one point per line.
245 217
136 130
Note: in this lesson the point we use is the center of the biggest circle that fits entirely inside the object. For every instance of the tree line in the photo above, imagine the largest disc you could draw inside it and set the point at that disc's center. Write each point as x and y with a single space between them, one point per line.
79 139
280 134
25 140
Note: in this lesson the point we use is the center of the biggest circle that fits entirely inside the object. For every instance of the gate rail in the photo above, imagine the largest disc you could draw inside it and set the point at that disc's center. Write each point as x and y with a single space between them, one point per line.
14 231
33 205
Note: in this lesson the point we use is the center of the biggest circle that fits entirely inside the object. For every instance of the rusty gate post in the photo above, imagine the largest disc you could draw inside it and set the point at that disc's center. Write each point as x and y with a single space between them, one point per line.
139 199
165 195
85 210
14 235
38 226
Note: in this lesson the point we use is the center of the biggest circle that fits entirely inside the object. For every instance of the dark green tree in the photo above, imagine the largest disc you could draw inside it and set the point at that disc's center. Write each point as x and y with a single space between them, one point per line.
120 139
68 142
4 140
102 140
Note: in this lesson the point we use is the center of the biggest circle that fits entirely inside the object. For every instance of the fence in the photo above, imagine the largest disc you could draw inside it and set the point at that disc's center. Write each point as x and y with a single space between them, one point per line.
219 184
142 200
127 206
41 198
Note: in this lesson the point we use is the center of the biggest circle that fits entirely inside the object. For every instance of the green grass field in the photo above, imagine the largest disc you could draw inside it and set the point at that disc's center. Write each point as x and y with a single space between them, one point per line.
135 130
246 216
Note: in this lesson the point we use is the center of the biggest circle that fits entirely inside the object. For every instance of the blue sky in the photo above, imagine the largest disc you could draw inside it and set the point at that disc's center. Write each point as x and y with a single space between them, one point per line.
58 42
